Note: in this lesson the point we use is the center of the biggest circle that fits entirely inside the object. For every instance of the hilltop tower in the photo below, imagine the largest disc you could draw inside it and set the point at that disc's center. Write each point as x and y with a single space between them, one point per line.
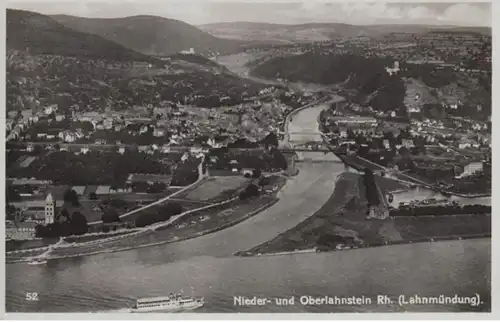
50 209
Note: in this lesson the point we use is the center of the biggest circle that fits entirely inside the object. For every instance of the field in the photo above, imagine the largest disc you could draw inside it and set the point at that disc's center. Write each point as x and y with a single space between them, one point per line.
216 188
443 226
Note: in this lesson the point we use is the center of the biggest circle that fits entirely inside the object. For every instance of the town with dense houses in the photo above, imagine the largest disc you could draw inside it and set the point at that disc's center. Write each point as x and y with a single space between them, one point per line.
266 139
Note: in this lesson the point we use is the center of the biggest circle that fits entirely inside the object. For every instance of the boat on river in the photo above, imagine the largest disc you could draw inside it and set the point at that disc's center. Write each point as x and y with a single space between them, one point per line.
171 303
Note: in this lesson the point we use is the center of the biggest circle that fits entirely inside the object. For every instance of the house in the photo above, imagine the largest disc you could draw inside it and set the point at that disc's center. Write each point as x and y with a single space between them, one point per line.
247 171
165 149
50 109
103 190
407 143
121 150
107 123
20 230
464 145
159 132
472 168
80 190
84 150
69 137
143 129
196 149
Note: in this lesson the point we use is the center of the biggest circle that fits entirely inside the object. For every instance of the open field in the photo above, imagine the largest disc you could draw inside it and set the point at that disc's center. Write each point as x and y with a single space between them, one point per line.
217 187
213 218
443 226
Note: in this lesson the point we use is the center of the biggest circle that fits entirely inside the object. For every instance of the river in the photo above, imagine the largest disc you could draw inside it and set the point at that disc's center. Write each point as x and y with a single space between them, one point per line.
112 281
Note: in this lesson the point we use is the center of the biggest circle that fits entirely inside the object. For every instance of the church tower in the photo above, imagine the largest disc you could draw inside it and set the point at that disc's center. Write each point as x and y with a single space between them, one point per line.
50 209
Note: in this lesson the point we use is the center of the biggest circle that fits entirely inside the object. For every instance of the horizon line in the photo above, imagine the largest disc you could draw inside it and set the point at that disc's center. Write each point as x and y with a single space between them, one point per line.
260 22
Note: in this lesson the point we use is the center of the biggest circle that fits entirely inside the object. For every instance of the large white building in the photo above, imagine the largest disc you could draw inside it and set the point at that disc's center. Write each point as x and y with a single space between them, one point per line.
472 168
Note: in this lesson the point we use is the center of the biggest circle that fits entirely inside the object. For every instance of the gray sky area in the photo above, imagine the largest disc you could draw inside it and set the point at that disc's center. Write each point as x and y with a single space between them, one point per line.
198 12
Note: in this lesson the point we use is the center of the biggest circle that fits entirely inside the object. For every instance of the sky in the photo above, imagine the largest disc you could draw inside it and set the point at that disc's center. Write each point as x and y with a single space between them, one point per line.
199 12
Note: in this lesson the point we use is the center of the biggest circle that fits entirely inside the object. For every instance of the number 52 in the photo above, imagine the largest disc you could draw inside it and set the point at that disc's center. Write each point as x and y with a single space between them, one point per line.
31 296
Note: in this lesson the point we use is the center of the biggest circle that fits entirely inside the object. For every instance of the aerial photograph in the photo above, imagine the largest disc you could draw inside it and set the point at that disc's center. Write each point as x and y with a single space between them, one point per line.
248 157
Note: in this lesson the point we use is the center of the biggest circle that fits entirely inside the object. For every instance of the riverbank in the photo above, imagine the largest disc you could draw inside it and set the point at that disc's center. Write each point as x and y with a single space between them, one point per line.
341 223
407 242
192 224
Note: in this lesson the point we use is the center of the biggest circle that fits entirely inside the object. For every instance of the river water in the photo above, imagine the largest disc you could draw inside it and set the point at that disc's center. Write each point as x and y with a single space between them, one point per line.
111 281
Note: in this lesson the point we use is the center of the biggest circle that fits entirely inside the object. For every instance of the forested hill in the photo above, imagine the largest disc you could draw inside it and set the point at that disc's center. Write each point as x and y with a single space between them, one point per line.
367 75
40 34
384 91
152 35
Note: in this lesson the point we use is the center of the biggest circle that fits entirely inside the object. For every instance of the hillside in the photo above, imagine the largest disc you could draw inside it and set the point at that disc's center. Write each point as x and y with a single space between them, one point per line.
367 76
416 87
40 34
151 35
278 33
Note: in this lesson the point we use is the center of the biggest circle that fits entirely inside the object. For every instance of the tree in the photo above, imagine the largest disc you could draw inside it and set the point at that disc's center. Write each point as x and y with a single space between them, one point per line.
111 215
372 195
263 181
256 173
167 211
250 191
71 196
270 140
79 224
157 187
144 219
12 195
63 216
279 160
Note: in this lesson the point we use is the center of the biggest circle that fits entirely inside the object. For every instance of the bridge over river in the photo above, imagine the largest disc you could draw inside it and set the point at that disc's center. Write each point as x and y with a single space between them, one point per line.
301 128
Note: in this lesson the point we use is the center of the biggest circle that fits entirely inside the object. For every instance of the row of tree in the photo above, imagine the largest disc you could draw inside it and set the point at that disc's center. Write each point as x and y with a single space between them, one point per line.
441 210
158 214
74 224
372 194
